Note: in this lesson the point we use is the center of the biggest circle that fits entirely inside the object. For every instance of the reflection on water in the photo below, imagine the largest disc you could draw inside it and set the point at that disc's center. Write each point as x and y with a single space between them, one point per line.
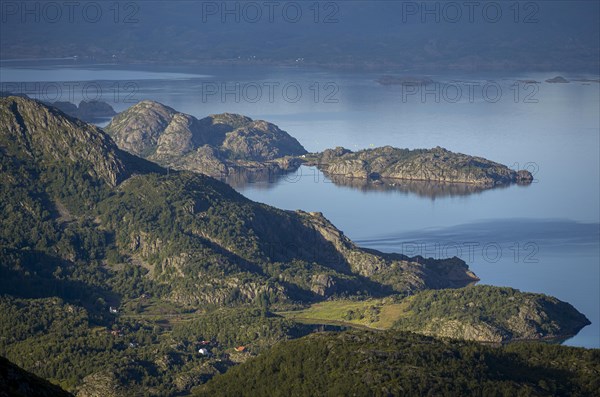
270 178
427 189
263 178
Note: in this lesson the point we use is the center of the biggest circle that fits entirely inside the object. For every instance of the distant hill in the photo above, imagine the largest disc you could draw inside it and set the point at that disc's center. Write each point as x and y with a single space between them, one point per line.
481 313
88 111
389 36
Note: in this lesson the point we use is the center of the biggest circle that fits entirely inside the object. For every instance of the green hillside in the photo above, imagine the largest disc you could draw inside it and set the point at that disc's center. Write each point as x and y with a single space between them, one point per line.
115 272
392 363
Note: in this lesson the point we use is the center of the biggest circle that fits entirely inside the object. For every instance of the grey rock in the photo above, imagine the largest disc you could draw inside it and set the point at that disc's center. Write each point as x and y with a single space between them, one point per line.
438 164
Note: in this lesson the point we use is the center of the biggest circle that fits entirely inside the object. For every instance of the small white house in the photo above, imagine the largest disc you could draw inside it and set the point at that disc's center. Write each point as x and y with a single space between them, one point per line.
113 310
204 352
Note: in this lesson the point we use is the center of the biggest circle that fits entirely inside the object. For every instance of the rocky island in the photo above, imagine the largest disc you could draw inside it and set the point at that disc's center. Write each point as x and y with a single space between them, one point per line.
404 81
230 144
438 164
557 79
217 145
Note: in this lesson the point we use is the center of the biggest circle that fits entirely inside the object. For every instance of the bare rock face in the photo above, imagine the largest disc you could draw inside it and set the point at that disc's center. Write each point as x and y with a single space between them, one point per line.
524 177
226 122
213 145
138 129
102 384
438 164
322 284
350 168
47 133
260 141
206 159
176 138
447 328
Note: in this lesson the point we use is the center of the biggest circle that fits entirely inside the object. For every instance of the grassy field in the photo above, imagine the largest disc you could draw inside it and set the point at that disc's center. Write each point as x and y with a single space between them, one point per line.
373 313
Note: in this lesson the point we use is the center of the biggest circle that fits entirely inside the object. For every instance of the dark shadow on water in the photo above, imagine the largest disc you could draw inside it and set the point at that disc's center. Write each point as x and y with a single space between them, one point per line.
553 234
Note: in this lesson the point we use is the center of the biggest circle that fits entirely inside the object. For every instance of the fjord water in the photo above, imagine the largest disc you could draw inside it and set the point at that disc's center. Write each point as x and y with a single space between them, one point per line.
540 238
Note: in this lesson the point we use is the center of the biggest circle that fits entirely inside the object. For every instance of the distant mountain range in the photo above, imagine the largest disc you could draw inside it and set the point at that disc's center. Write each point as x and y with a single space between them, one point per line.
380 35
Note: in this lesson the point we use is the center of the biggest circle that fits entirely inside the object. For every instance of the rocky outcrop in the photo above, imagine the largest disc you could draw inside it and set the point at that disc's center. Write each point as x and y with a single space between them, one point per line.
323 284
447 328
46 134
438 164
216 145
399 272
137 130
541 316
102 384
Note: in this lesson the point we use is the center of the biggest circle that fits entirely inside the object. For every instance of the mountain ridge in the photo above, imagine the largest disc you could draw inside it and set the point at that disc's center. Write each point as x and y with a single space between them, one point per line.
202 213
